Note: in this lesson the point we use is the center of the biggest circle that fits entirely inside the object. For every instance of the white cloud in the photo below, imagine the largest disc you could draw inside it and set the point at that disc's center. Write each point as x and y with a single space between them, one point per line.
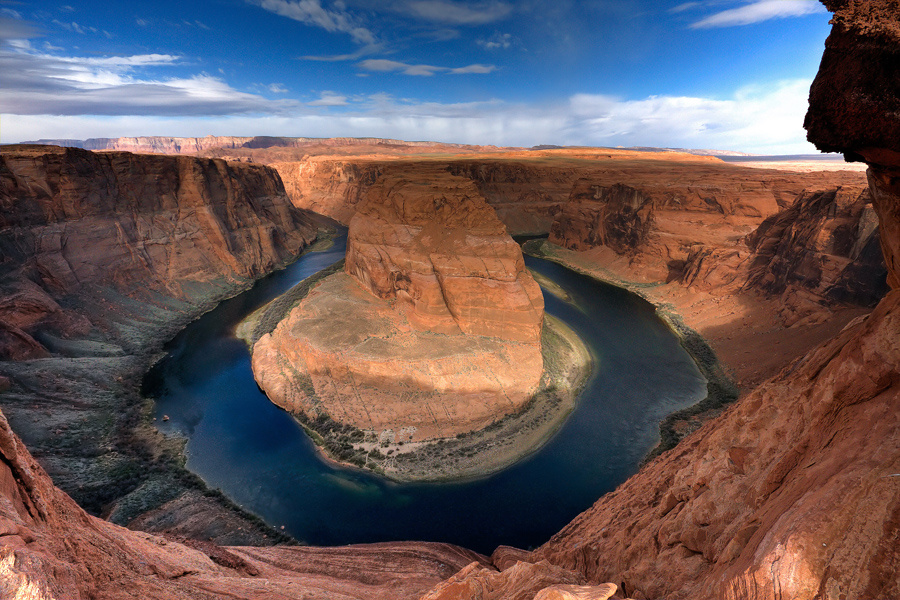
477 69
330 99
73 26
762 119
392 66
42 83
684 7
311 12
496 41
758 11
277 88
364 51
457 13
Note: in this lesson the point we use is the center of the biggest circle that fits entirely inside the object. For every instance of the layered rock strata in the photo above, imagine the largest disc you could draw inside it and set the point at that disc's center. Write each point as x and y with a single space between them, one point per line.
434 329
793 491
438 248
74 222
50 548
104 258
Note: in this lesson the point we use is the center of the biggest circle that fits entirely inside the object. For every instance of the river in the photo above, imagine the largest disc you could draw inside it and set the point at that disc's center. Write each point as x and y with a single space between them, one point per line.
258 456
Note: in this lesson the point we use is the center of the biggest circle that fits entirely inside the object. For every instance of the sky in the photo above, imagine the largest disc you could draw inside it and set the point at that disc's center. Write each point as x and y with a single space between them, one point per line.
715 74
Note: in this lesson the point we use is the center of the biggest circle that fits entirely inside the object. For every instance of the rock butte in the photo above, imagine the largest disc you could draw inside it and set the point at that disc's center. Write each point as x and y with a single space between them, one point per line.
791 492
433 331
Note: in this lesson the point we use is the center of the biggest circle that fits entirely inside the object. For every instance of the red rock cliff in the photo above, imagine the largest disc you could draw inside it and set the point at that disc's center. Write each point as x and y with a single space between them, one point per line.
436 245
793 492
73 223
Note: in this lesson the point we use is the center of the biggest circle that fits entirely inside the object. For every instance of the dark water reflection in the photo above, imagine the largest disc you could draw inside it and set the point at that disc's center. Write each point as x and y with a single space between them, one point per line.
256 454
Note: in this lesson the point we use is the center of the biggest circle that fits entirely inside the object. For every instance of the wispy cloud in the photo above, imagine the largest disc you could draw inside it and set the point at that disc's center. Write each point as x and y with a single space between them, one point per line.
685 6
496 41
277 88
311 12
474 69
382 65
39 82
330 99
457 13
364 51
758 11
73 26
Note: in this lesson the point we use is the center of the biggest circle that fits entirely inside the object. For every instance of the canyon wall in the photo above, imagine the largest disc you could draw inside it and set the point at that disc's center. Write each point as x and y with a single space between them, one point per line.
104 258
51 549
792 492
436 245
75 223
216 143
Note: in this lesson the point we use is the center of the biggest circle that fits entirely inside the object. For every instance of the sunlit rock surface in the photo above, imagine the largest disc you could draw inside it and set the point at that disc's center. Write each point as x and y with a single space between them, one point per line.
434 329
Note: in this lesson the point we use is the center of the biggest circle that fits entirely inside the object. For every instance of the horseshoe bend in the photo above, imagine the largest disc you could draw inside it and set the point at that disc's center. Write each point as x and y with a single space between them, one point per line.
778 278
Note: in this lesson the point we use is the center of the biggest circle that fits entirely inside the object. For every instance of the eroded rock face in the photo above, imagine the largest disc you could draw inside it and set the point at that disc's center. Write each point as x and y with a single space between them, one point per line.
439 248
50 548
792 491
330 187
355 358
826 243
104 258
73 223
433 330
618 217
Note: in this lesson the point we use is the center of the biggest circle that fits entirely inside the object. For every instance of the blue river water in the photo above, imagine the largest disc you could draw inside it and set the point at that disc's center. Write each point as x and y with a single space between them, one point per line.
258 456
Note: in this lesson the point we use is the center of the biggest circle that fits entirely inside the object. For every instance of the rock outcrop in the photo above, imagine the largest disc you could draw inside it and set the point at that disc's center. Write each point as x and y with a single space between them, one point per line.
823 249
617 217
438 247
433 331
50 548
328 186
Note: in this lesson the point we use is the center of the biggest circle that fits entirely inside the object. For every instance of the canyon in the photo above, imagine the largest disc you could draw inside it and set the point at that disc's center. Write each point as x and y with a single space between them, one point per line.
791 491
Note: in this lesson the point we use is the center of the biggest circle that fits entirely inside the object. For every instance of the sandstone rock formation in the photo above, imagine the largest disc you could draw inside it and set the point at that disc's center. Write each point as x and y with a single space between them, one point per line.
74 223
343 354
214 144
104 258
433 331
824 248
330 187
618 217
50 548
793 491
438 247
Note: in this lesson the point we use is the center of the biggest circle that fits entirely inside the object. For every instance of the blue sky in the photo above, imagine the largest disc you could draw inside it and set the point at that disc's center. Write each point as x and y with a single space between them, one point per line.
725 74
